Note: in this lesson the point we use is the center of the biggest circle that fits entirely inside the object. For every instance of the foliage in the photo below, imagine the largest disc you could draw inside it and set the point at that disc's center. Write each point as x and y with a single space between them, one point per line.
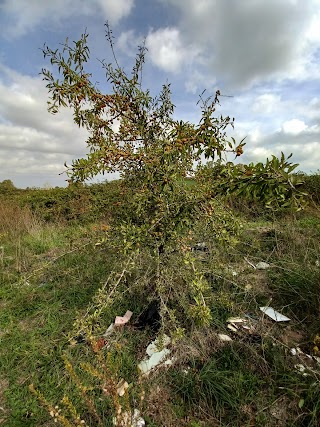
6 186
75 204
136 134
311 185
211 382
271 184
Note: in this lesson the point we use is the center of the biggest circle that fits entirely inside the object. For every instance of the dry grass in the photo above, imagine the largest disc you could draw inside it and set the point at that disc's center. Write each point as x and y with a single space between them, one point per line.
16 220
3 411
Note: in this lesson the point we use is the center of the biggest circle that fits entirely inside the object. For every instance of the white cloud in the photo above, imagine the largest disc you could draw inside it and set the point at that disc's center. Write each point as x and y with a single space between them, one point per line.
167 50
294 126
266 103
128 42
197 81
32 140
253 41
295 136
115 10
22 17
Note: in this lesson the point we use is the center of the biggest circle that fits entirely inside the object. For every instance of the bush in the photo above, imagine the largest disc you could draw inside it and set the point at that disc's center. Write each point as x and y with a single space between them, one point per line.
312 186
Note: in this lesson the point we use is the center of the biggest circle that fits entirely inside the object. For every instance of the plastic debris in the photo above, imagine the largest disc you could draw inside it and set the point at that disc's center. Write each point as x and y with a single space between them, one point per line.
129 420
119 321
201 246
122 387
147 365
236 323
79 339
224 337
109 330
155 345
156 356
301 369
236 320
274 315
262 265
99 344
232 328
150 317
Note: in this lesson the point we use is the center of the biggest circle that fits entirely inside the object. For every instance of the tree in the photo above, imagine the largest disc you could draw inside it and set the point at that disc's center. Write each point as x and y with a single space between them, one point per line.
133 132
150 149
7 185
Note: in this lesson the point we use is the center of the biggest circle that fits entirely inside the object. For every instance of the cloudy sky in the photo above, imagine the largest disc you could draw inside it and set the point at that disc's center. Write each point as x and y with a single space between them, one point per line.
263 54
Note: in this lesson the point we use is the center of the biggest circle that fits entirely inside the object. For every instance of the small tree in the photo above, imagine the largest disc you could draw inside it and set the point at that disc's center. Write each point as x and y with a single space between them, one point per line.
135 133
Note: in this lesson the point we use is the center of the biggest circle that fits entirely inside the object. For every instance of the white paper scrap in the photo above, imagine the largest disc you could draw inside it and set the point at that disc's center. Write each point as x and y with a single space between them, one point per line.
274 315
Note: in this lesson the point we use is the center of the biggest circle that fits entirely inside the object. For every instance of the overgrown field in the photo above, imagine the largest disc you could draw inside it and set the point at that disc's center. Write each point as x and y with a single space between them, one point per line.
57 251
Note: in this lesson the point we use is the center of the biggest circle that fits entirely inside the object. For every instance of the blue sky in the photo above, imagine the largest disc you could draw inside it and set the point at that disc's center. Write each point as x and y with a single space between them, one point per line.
264 54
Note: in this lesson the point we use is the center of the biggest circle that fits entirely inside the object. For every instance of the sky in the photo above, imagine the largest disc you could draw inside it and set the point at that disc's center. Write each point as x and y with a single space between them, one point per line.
263 55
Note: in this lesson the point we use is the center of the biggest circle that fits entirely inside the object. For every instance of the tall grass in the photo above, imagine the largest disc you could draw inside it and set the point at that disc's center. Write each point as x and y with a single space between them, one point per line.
16 220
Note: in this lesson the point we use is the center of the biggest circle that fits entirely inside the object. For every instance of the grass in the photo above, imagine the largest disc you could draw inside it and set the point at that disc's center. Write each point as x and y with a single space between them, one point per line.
45 281
51 271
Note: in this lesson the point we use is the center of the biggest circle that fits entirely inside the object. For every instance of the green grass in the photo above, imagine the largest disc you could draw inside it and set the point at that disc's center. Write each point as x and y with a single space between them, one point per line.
43 287
51 271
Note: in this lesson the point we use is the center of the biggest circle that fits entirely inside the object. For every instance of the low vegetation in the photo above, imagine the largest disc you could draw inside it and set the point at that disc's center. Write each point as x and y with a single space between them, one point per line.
183 255
52 275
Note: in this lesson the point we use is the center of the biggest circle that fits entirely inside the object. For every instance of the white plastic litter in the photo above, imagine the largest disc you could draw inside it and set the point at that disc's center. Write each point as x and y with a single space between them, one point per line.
147 365
109 330
224 337
122 387
274 315
157 345
157 353
130 420
262 265
236 320
317 359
